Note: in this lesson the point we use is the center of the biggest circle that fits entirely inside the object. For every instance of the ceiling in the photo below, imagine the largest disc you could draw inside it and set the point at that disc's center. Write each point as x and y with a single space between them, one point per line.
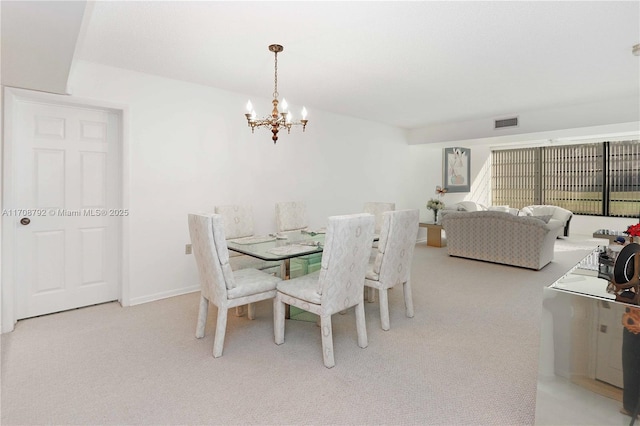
408 64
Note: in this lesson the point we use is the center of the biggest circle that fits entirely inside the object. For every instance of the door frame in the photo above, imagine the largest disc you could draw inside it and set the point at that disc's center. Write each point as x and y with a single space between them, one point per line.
7 231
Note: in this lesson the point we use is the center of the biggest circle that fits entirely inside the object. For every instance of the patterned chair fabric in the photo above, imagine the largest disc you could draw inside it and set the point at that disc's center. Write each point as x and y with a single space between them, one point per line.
291 216
218 283
338 285
500 237
377 209
392 264
238 220
238 223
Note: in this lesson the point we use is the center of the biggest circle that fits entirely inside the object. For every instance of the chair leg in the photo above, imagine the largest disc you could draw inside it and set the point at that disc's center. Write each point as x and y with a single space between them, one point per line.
361 325
327 341
251 311
408 299
278 321
202 317
384 309
239 311
371 294
221 328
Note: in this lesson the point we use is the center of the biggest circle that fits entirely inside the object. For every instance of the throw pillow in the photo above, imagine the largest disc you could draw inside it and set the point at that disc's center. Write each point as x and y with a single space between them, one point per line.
545 218
542 210
499 209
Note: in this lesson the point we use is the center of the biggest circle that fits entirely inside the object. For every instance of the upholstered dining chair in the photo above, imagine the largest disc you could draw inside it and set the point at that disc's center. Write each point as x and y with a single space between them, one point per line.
219 285
291 216
238 223
338 285
376 209
392 264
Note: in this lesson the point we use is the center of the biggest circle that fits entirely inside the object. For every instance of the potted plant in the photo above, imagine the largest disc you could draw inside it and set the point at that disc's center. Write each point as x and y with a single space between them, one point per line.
633 231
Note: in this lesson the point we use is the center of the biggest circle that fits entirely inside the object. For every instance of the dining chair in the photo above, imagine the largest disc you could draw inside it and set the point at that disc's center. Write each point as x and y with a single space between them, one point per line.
376 209
338 285
220 285
392 264
291 216
238 223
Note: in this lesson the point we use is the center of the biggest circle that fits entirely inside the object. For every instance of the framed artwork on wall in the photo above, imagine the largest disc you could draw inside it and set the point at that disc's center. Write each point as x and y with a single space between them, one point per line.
457 169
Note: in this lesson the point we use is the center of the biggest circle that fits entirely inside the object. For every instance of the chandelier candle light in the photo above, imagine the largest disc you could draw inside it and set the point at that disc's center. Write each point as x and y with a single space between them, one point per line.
277 119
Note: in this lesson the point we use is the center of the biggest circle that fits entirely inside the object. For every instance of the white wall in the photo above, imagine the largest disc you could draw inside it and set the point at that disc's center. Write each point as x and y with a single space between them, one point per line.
190 149
607 116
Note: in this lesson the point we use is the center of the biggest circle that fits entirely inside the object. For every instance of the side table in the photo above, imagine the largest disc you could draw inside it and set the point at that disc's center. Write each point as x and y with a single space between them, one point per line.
611 235
434 234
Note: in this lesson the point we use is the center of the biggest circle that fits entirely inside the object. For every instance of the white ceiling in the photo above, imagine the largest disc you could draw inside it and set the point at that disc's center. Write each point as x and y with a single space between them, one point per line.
408 64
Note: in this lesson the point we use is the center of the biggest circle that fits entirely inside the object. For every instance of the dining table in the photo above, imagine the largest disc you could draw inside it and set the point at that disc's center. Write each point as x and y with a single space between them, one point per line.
282 247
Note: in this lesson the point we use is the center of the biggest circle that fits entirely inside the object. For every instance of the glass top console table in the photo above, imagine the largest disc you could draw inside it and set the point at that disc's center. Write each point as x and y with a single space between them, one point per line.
589 362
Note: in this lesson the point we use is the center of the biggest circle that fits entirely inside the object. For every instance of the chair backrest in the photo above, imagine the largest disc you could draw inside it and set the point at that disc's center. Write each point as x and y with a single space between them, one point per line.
211 254
238 220
376 209
395 247
344 261
291 216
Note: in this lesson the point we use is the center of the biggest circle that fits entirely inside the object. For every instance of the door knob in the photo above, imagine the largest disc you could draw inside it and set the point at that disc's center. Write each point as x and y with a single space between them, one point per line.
25 221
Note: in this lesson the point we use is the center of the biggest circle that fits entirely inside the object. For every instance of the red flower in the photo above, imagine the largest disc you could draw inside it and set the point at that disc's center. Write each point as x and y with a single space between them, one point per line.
633 230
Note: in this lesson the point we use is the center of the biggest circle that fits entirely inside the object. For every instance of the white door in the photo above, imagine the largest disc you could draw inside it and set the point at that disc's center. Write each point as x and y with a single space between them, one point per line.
609 343
66 206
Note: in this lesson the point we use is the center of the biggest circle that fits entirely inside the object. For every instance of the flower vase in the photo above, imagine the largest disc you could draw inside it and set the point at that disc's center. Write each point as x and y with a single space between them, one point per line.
435 217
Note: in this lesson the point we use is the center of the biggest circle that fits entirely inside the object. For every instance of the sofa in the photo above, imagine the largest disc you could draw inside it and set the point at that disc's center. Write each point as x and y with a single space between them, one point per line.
500 237
556 216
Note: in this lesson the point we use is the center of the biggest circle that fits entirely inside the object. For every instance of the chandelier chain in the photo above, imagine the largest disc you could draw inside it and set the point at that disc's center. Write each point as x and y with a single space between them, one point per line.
275 79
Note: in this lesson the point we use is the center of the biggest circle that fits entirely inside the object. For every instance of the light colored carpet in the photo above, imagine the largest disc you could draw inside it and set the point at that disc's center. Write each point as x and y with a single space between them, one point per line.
469 356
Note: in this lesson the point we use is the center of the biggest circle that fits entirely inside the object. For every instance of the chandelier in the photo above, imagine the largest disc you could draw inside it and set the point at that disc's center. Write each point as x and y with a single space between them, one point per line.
277 119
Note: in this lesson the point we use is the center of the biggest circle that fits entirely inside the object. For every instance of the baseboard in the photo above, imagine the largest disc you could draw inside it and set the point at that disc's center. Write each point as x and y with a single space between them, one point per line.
599 387
163 295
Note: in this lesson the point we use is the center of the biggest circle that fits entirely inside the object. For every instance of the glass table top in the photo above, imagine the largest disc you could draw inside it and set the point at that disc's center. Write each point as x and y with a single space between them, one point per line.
592 275
282 246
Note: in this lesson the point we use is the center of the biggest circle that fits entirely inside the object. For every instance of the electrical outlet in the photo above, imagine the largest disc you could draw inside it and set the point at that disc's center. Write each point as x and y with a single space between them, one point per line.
187 249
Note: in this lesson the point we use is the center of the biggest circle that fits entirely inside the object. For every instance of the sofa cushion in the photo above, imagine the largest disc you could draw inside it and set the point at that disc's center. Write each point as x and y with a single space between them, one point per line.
470 206
545 218
506 209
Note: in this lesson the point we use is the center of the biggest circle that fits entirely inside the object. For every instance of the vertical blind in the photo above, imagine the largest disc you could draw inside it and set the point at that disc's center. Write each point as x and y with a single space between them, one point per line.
592 179
513 177
624 179
572 177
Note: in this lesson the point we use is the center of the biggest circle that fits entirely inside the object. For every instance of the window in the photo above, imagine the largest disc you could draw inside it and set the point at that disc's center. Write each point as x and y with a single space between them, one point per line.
591 179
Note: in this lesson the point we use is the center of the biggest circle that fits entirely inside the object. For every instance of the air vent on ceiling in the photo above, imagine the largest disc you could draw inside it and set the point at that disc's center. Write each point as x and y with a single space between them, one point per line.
506 122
